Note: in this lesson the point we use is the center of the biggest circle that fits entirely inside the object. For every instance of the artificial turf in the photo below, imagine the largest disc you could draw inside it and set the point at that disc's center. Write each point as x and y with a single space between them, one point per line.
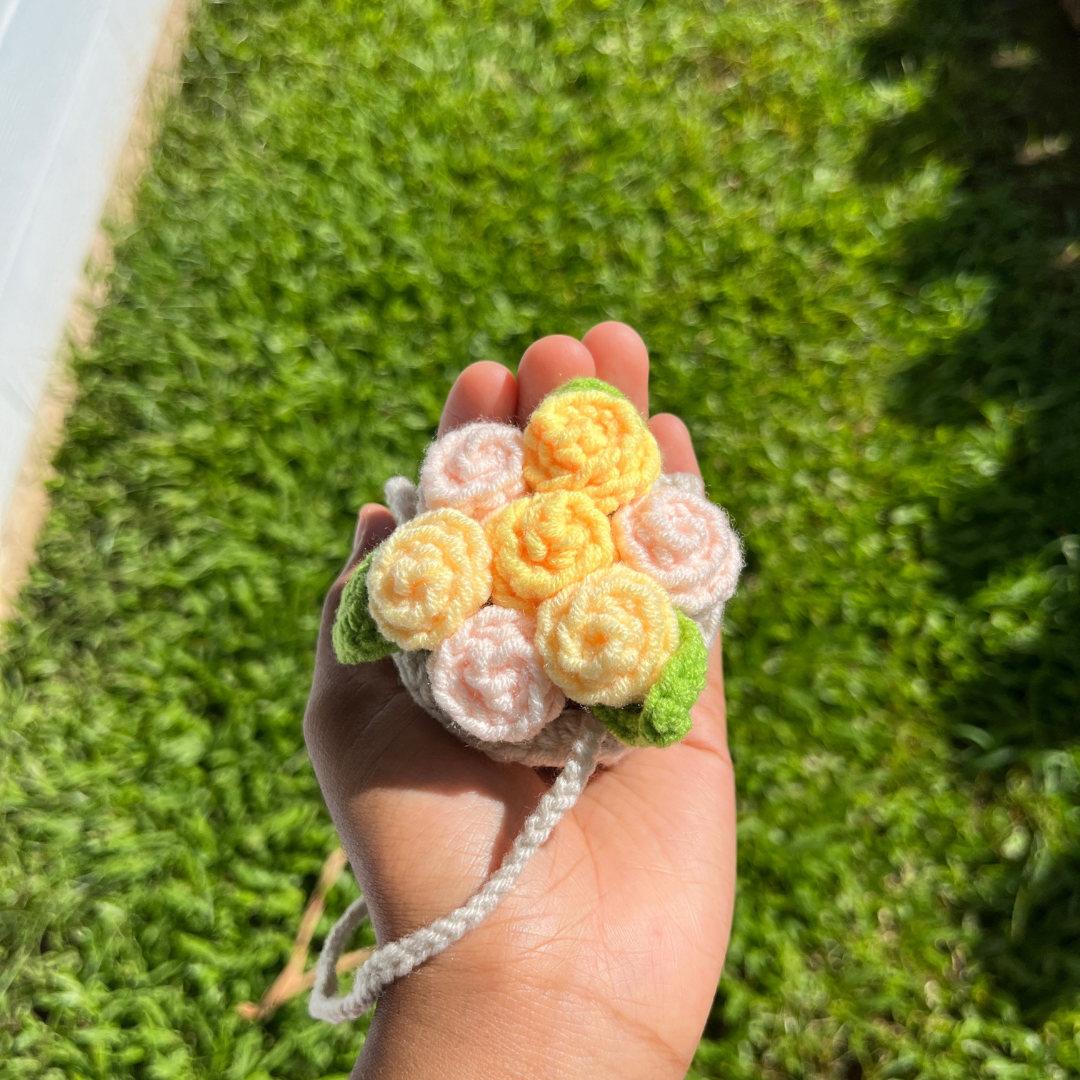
849 231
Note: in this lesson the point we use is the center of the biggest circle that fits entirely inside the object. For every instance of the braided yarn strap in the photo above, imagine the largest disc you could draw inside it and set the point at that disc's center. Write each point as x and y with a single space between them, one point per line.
400 957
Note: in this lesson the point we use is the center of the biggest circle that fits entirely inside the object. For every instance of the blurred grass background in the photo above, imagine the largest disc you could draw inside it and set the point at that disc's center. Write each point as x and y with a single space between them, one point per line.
849 231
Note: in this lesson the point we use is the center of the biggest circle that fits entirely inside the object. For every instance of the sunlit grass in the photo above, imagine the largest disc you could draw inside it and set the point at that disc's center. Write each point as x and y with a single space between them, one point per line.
855 295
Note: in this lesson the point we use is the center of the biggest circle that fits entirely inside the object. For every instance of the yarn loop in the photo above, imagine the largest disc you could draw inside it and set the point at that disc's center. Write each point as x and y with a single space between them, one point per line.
488 678
606 639
683 541
356 637
664 716
543 543
592 441
428 577
475 469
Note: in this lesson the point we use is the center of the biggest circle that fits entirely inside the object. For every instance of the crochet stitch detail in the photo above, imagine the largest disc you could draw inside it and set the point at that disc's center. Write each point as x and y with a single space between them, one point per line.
550 747
682 540
428 577
709 622
401 499
606 639
541 544
488 678
355 636
475 469
585 383
664 717
590 441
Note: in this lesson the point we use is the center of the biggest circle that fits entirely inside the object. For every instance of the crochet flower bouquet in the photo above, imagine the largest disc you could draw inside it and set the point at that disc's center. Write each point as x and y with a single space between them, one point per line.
550 598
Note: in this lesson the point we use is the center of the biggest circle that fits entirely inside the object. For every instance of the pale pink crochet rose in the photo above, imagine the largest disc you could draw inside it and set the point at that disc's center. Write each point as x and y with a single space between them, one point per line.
675 535
488 677
475 469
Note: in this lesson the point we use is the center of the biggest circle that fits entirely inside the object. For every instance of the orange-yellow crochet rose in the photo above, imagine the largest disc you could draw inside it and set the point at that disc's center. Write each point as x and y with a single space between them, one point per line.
428 578
590 441
543 543
606 639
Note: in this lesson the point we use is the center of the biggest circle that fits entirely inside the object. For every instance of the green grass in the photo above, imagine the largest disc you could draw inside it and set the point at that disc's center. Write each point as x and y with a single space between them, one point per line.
843 227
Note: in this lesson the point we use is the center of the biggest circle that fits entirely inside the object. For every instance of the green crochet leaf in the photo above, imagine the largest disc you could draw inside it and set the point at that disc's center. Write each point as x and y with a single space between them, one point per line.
664 716
666 713
624 723
587 384
356 637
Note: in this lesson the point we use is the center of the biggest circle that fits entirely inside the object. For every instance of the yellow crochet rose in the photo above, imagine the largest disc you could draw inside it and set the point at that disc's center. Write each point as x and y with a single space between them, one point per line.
606 639
591 441
428 578
544 543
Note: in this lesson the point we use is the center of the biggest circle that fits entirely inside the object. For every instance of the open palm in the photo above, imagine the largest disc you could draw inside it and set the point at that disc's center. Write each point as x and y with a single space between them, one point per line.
604 959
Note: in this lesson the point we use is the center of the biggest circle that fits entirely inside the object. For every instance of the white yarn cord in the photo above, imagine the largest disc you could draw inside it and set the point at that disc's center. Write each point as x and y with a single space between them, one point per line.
400 957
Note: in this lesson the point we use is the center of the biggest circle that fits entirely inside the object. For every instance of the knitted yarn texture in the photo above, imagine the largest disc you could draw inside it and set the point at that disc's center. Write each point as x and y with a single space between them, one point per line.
591 440
550 747
606 639
489 679
548 597
475 469
683 541
664 716
428 578
543 543
356 638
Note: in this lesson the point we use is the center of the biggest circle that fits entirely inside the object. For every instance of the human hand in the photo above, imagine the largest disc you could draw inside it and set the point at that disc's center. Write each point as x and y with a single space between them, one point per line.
604 959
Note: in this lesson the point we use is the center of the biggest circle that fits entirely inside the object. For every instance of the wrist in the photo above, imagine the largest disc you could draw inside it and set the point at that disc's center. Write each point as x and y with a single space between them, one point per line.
443 1023
458 1018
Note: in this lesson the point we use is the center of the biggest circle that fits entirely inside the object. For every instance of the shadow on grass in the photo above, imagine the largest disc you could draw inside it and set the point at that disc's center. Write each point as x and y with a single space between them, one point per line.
1006 110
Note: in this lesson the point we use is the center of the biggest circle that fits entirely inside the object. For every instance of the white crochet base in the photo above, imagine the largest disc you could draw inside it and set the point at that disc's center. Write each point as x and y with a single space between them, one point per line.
574 741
